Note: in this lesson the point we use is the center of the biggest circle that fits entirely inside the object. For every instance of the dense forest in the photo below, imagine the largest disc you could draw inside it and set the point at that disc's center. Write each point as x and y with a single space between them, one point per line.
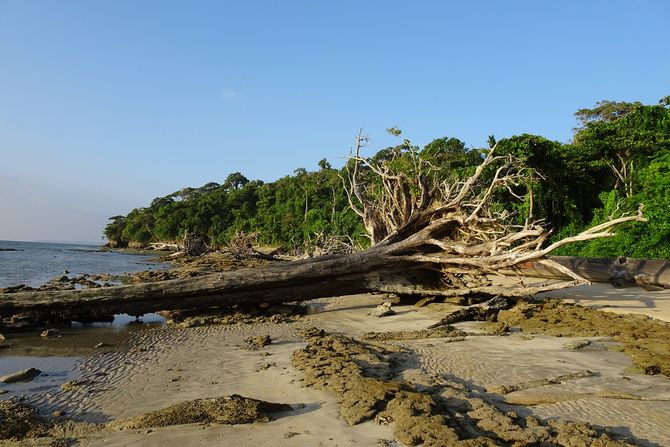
618 158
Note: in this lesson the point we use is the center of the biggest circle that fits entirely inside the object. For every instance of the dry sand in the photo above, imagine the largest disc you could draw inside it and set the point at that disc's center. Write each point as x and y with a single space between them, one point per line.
159 367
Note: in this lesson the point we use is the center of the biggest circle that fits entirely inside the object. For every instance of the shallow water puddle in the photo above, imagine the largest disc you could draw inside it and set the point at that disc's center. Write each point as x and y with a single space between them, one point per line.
55 371
58 355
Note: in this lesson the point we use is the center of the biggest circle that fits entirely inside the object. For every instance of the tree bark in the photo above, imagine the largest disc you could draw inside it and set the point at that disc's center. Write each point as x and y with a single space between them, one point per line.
445 241
386 267
360 272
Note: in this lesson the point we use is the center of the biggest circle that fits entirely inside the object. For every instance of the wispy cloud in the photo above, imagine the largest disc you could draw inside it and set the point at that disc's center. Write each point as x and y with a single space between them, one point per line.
229 93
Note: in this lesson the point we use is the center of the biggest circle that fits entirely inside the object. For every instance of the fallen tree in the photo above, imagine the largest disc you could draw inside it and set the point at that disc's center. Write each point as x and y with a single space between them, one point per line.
430 238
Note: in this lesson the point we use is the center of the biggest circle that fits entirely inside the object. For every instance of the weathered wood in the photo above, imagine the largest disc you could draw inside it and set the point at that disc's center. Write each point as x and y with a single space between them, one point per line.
445 242
281 282
386 267
618 271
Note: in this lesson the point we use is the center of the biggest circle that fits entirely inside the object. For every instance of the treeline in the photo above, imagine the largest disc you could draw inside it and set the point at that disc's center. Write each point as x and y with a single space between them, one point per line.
285 212
619 157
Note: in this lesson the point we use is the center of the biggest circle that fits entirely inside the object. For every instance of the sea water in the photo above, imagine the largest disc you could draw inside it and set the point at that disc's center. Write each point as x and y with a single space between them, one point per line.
35 263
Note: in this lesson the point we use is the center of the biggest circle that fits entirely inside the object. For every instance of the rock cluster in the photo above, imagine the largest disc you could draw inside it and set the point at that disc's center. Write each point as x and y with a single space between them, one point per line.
448 413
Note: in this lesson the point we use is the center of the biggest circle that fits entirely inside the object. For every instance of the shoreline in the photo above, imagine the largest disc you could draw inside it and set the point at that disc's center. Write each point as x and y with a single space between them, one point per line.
91 393
168 365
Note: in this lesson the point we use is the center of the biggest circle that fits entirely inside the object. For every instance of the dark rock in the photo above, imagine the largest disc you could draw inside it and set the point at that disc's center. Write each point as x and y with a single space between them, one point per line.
258 341
18 419
51 333
647 283
576 344
17 288
233 410
21 376
72 384
383 310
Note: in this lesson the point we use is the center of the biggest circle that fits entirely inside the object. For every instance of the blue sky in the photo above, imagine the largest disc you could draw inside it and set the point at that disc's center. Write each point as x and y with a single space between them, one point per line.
105 105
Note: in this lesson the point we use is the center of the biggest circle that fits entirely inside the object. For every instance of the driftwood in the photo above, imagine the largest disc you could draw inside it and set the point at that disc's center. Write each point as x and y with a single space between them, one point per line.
649 274
440 240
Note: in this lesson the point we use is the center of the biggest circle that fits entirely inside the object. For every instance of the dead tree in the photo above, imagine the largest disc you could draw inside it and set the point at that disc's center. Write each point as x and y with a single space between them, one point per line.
194 244
430 238
453 228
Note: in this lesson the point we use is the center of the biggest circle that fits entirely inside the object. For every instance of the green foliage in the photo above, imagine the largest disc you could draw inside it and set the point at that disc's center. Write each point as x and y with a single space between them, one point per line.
605 111
286 212
639 141
619 158
114 229
562 192
639 240
625 142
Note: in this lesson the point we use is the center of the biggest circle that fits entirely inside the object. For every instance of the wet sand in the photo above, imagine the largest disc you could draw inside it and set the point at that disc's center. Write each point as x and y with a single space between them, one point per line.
625 300
157 367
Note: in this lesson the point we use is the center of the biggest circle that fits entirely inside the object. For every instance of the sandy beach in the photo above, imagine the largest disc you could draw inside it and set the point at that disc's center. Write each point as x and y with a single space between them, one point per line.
156 367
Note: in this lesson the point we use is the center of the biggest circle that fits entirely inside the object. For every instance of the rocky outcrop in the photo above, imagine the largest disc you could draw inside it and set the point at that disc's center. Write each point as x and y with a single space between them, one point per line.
25 375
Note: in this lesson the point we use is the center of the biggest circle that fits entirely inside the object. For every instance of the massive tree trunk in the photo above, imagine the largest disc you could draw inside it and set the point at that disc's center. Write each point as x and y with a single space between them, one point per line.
440 241
393 268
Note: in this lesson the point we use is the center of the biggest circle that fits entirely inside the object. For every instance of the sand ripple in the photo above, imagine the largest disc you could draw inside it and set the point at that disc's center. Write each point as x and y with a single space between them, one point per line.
161 367
485 362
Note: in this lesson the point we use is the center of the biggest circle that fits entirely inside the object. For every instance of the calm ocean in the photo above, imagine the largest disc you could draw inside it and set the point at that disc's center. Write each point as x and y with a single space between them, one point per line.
35 263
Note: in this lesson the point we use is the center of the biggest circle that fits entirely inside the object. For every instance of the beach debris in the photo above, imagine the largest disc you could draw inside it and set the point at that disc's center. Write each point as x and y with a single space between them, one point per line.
576 344
265 366
619 274
486 311
258 341
194 244
100 345
425 301
647 283
25 375
72 384
58 413
51 333
241 245
2 337
233 409
391 297
383 310
4 391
